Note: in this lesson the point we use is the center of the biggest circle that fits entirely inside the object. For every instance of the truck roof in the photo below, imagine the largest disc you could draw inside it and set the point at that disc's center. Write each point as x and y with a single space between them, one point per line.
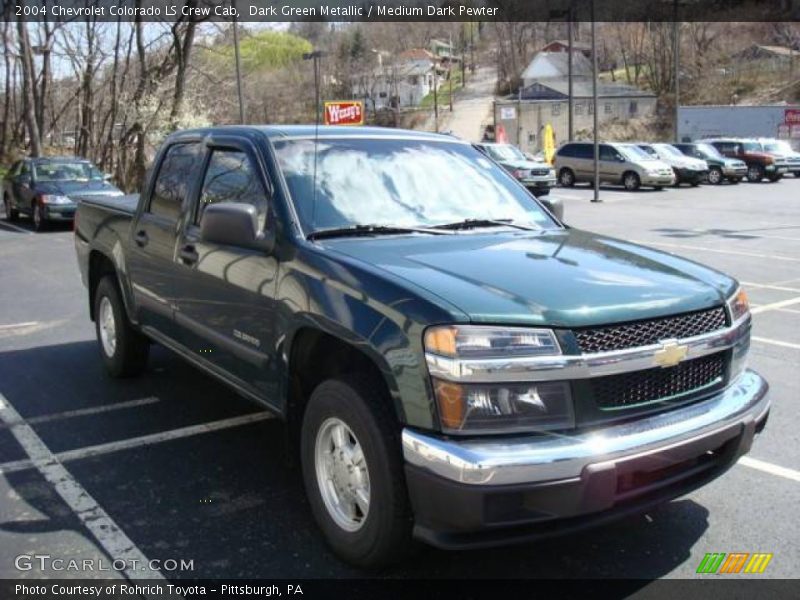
276 132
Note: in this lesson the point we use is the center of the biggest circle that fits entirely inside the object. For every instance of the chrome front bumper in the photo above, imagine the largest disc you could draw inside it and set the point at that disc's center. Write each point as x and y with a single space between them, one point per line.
553 456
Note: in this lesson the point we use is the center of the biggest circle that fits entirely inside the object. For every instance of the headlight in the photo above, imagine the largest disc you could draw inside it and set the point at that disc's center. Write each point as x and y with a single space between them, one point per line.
496 407
475 341
55 199
738 306
551 173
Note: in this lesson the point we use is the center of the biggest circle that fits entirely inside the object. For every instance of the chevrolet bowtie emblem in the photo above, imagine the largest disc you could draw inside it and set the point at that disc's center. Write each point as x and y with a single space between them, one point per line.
671 354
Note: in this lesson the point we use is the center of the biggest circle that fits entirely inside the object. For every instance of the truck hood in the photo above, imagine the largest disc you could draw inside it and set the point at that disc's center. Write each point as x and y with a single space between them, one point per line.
525 164
561 278
75 188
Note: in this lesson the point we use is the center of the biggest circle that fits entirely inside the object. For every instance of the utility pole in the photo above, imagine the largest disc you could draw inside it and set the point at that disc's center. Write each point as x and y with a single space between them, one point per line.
435 101
570 101
596 197
676 34
238 67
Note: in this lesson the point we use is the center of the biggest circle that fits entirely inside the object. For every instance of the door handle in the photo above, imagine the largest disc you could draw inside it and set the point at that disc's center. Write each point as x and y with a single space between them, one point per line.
141 238
188 254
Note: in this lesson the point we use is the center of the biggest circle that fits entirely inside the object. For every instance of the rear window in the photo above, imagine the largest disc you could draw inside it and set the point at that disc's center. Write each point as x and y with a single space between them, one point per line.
179 169
576 151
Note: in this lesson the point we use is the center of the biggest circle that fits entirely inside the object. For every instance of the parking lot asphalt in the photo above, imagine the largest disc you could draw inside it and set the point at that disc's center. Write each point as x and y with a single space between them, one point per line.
173 465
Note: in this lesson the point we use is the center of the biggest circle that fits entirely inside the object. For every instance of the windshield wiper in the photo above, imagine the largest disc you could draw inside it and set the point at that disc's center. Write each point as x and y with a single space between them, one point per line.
354 230
475 223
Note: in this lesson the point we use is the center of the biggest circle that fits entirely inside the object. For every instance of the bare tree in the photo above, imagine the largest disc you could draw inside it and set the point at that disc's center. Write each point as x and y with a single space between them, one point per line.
28 86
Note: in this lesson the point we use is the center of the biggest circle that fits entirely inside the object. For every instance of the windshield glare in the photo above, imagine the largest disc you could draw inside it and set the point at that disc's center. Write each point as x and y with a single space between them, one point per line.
709 150
67 171
507 152
751 146
669 149
632 152
777 146
399 183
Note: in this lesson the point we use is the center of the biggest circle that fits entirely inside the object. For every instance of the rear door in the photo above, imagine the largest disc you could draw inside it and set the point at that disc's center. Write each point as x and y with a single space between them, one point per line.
225 294
22 186
154 233
611 164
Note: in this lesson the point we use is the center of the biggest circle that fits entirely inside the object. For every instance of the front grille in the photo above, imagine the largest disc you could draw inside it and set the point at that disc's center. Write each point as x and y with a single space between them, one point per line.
640 387
539 172
645 333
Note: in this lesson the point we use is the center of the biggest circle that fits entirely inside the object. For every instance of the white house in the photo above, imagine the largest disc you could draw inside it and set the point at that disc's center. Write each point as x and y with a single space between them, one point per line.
401 83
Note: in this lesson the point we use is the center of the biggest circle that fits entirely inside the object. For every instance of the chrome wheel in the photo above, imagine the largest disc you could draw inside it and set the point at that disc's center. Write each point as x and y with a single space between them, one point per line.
714 176
631 182
108 327
342 474
754 174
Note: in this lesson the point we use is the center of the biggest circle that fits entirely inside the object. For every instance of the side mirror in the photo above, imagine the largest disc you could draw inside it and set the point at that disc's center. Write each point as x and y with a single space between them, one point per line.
554 205
234 224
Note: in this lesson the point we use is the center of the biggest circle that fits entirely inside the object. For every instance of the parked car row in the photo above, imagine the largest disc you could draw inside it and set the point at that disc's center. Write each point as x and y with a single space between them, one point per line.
658 165
47 189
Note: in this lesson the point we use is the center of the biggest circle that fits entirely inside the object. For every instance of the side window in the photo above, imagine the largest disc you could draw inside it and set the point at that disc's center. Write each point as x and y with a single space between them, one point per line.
25 168
607 153
584 151
178 170
232 177
567 150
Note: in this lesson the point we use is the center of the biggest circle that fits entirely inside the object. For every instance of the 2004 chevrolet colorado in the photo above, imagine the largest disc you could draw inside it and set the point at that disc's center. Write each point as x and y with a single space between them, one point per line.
453 363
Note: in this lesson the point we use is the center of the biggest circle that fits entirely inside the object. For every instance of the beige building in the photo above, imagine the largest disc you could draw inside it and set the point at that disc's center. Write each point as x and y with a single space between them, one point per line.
544 99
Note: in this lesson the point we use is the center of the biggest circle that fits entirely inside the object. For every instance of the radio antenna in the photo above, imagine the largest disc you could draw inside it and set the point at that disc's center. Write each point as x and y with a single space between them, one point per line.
315 56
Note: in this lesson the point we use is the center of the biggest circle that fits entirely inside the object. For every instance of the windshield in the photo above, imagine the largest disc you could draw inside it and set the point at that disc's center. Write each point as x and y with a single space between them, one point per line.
777 146
505 152
400 183
650 150
67 171
632 152
751 147
669 149
709 151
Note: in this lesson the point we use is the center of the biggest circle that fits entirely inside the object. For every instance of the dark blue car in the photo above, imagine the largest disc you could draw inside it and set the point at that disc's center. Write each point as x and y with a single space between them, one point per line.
46 189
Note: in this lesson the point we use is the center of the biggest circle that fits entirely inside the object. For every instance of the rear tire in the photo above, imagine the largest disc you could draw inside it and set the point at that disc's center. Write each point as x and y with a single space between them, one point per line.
12 214
124 350
566 177
356 485
631 181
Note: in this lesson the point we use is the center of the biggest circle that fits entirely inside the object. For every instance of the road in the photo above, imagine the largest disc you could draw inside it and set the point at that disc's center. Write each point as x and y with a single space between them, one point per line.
172 465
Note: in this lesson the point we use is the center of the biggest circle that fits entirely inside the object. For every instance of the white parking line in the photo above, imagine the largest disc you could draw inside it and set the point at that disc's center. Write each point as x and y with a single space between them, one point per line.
769 286
705 249
107 533
91 410
766 467
19 325
144 440
14 227
764 340
775 305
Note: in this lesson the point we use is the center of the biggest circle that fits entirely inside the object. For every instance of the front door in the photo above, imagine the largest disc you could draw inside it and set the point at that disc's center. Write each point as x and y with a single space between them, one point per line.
226 294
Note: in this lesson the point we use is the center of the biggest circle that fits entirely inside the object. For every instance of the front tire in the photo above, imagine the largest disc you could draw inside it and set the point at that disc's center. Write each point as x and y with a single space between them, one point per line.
755 173
123 349
353 472
715 176
39 219
631 181
566 177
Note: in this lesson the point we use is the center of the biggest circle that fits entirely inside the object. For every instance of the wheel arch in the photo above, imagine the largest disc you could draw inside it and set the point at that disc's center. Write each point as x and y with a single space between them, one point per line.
101 265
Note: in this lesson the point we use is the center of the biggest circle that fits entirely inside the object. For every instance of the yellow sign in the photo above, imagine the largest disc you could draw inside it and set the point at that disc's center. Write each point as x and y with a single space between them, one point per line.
549 143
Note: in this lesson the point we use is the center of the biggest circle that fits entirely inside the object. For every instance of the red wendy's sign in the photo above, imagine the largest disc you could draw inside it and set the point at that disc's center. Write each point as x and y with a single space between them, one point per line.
350 112
792 116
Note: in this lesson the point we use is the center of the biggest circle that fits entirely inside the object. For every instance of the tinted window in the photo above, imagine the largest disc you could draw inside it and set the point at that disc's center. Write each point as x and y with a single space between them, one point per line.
567 150
608 153
178 170
232 177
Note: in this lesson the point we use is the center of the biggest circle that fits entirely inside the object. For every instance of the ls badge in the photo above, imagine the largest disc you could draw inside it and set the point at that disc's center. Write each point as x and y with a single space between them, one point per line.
671 354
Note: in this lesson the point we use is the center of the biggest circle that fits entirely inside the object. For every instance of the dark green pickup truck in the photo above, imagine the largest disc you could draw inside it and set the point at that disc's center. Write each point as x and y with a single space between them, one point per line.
453 363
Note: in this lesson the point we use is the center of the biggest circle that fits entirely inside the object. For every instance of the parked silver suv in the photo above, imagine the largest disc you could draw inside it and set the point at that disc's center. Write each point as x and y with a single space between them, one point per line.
620 164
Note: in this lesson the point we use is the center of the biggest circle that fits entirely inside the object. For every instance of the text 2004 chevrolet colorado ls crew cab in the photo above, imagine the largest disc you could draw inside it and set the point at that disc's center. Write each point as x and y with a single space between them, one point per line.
453 363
